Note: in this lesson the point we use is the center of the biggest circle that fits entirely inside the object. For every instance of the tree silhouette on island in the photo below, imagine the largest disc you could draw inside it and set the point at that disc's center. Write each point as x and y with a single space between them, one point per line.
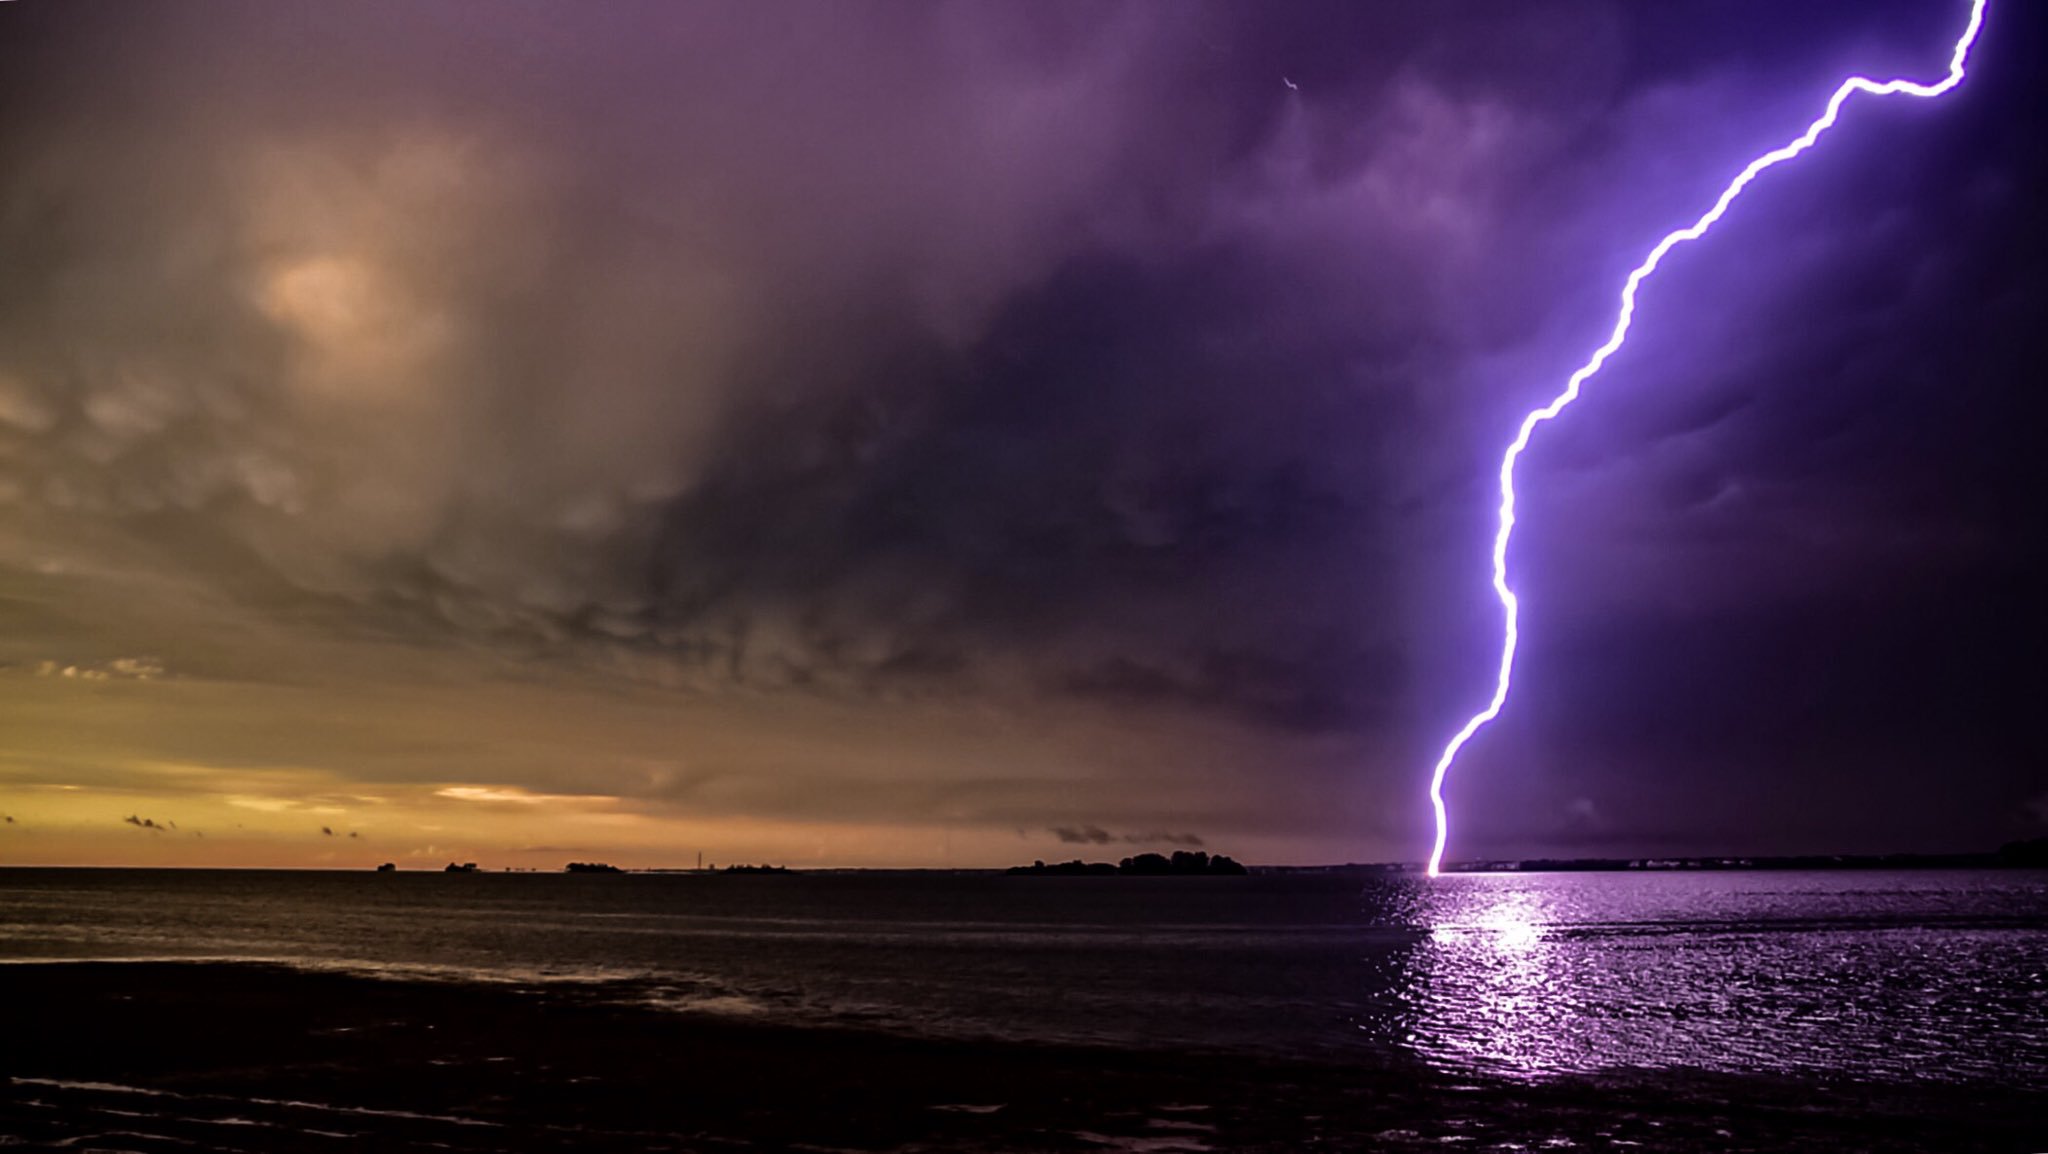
1183 863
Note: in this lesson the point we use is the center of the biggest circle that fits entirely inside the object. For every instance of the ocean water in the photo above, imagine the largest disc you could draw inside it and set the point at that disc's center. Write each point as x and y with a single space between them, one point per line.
1908 976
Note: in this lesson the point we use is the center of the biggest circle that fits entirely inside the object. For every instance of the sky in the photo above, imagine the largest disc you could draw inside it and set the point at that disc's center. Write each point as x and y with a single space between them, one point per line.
958 434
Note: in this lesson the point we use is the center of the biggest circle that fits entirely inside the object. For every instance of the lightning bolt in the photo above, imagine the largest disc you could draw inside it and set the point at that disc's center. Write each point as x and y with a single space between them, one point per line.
1615 339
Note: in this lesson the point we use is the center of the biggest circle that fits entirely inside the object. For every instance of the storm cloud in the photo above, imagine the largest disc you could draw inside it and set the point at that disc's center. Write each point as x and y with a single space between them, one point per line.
995 417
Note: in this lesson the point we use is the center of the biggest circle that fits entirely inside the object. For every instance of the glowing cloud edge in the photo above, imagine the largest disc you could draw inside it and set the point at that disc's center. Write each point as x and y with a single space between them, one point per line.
1559 403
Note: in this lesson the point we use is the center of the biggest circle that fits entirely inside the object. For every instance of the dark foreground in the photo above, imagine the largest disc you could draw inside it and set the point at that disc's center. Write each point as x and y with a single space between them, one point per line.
168 1056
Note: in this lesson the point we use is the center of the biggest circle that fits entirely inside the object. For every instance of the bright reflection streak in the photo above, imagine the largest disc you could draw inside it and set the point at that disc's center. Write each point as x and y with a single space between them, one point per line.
1490 973
1558 404
1533 976
1512 930
1511 925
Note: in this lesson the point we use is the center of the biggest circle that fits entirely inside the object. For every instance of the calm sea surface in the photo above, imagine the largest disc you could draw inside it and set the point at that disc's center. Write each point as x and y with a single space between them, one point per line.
1938 976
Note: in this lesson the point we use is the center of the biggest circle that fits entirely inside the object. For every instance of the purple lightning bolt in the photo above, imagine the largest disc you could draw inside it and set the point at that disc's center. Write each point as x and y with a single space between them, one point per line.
1696 230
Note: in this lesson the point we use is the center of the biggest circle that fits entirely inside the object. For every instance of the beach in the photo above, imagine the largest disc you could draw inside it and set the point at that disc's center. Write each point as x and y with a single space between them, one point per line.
149 1056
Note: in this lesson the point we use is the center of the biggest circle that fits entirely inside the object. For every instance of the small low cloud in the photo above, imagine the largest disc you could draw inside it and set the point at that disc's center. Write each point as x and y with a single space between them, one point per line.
1162 838
326 831
1096 835
514 795
121 668
9 818
144 823
353 833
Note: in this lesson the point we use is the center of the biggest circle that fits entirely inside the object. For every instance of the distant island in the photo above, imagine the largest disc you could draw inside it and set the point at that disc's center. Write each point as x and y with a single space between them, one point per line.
591 867
468 867
755 869
1183 863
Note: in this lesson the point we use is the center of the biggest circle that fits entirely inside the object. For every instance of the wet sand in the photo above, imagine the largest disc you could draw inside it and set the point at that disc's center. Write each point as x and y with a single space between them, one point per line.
219 1056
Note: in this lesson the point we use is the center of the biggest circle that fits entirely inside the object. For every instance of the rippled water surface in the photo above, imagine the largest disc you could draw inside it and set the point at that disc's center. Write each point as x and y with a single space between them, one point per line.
1909 976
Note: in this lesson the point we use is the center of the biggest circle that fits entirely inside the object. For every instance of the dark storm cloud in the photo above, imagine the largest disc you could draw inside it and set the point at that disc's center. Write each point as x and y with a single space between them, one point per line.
879 374
1068 490
1795 594
1048 353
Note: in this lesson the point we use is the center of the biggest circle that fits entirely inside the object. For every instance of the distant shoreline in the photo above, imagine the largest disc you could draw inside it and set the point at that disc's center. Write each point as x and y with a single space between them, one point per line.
2013 855
2031 854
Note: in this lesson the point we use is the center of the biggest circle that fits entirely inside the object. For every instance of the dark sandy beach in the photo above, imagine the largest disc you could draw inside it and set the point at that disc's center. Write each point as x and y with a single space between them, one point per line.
214 1056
